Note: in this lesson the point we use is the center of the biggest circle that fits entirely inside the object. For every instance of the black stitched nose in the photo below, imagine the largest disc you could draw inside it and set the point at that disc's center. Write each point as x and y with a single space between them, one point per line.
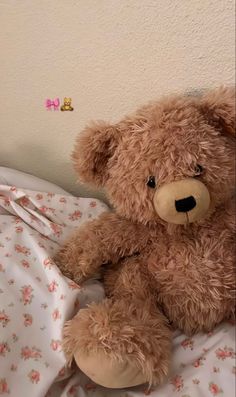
186 204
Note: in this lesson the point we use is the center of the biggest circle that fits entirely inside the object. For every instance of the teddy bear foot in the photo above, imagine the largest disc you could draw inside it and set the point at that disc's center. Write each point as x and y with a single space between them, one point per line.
118 344
108 371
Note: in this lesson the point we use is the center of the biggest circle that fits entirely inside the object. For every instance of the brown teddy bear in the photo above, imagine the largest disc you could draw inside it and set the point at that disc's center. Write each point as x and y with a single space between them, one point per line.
167 249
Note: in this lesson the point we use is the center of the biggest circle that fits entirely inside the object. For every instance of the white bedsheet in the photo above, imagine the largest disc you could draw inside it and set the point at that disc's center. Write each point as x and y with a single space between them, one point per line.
35 300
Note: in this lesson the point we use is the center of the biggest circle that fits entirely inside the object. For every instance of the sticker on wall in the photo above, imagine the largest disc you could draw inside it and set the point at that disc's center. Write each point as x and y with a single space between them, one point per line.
52 104
67 105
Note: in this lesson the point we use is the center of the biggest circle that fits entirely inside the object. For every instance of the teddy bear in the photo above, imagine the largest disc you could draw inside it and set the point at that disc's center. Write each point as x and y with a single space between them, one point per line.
67 105
166 250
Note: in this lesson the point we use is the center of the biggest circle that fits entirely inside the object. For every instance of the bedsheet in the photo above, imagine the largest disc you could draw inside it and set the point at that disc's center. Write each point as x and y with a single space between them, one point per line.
36 299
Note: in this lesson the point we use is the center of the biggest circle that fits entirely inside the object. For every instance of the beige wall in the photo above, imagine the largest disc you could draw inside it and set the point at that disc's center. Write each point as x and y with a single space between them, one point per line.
109 56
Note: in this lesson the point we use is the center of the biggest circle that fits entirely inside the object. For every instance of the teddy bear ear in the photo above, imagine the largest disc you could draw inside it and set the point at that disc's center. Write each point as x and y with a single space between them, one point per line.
218 106
93 149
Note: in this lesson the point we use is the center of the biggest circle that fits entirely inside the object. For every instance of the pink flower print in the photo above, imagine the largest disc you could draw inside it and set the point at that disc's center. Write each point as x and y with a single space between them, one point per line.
62 200
4 318
19 229
17 220
227 352
214 389
55 344
72 390
45 209
187 343
13 368
56 314
39 196
4 386
72 285
27 353
4 348
22 250
57 230
26 293
25 263
93 204
177 383
199 362
15 337
34 376
24 201
48 263
52 287
6 201
28 319
75 215
196 381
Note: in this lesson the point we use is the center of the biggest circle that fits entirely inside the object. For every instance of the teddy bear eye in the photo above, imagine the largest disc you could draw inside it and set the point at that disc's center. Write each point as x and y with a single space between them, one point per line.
198 170
151 182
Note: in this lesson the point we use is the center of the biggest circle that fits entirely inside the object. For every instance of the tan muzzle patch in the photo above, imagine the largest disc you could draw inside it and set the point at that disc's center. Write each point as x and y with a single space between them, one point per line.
182 202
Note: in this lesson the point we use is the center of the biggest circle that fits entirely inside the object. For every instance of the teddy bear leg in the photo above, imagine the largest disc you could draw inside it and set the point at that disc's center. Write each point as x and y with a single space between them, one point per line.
118 344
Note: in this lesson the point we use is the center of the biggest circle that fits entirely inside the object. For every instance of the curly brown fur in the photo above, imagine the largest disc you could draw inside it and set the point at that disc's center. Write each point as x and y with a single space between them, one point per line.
118 329
186 270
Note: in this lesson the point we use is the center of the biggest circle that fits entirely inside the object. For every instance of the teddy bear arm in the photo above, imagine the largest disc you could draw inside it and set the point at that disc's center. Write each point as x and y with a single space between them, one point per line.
101 241
118 237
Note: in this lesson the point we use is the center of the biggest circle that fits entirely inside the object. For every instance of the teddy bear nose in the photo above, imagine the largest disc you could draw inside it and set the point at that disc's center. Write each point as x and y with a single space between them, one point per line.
186 204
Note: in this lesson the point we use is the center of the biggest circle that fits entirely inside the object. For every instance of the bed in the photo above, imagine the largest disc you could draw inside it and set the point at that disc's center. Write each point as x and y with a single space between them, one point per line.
36 299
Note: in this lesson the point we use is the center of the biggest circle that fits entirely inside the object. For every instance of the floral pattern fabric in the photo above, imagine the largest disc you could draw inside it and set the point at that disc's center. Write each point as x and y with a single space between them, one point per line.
36 300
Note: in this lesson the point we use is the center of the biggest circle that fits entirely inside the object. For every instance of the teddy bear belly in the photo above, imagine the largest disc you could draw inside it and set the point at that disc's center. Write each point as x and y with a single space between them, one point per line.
195 283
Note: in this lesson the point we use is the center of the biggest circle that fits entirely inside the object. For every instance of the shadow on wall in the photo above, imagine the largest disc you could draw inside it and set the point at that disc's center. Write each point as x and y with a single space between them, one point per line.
57 170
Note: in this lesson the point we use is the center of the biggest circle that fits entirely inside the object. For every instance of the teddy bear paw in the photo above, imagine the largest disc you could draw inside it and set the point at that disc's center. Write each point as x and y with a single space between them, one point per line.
108 371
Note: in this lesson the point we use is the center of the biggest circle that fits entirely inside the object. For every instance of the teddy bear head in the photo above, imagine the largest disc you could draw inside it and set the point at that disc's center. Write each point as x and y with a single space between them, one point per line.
171 161
67 101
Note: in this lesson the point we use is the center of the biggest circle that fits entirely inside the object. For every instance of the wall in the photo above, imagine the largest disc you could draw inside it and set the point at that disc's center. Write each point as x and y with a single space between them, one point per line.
109 56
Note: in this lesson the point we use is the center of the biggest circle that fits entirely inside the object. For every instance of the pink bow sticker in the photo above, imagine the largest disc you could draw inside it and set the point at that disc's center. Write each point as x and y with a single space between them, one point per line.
52 104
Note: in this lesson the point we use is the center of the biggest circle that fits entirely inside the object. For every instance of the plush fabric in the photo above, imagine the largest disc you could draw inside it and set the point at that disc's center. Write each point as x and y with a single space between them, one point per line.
35 298
158 275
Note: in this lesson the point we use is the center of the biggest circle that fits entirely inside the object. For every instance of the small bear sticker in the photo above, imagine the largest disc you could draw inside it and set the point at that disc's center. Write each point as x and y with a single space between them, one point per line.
67 105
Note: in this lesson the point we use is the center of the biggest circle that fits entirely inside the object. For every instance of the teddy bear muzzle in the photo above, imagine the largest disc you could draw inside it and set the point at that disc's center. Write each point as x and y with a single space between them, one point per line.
181 202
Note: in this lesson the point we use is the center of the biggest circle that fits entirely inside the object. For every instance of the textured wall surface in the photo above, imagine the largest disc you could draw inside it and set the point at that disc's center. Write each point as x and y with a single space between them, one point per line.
109 56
